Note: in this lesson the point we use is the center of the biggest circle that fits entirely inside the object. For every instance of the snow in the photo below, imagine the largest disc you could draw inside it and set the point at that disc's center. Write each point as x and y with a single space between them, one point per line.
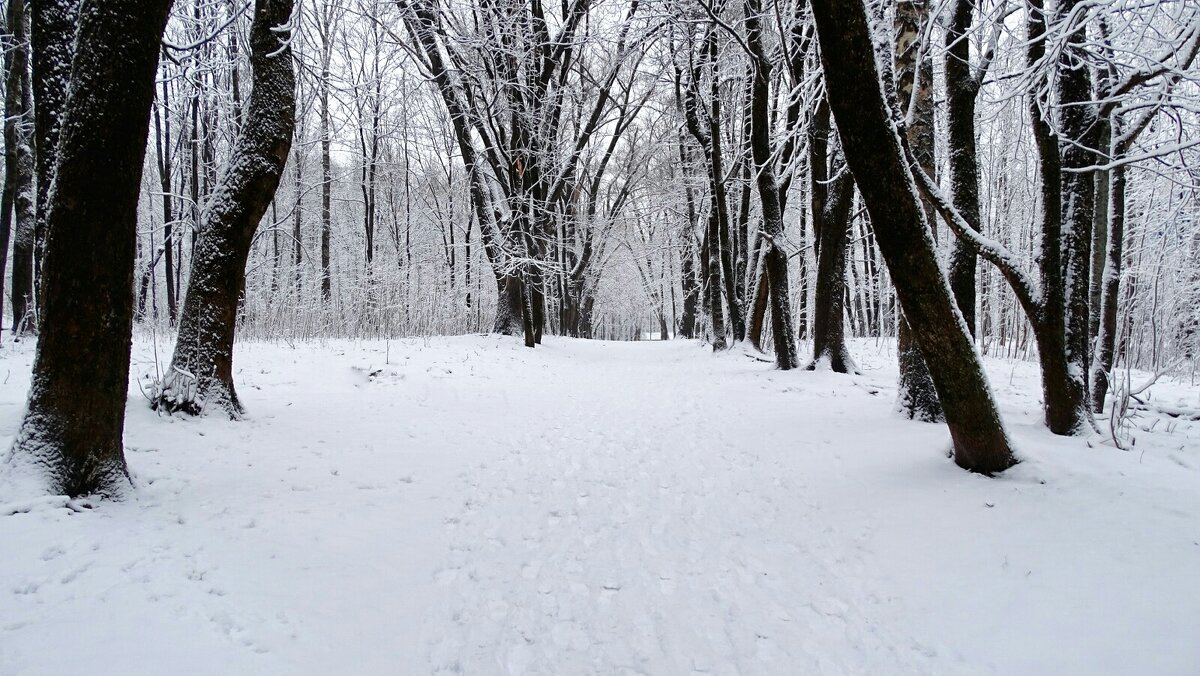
466 505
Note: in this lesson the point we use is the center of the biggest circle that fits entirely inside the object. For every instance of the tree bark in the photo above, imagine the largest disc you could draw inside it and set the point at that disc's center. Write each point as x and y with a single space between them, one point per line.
72 426
201 372
831 204
53 35
916 397
873 150
1110 290
19 189
962 89
1080 131
775 262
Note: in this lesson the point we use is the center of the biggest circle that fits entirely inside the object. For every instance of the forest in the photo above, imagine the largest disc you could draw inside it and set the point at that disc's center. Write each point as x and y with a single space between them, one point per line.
749 252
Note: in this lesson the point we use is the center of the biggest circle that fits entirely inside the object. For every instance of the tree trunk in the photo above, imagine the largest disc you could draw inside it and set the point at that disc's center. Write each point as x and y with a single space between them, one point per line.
916 397
53 34
1110 290
873 151
19 190
831 229
775 263
201 373
326 172
162 143
73 423
1080 131
1063 389
962 90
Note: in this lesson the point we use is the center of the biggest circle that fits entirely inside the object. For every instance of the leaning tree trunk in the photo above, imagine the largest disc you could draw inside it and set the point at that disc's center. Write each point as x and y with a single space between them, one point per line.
775 261
916 397
76 411
201 372
873 151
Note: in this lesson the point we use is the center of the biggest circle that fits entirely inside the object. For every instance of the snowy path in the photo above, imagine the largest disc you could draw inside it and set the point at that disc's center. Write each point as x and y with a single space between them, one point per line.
467 506
635 535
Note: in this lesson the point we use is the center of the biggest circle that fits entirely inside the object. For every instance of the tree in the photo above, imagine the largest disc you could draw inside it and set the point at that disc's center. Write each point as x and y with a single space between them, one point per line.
775 260
53 41
201 372
19 191
72 427
874 153
832 194
916 397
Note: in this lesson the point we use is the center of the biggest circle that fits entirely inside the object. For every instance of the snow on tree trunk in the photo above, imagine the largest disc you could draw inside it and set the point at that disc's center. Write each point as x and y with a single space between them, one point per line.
775 262
73 423
916 397
832 198
873 151
962 89
1078 121
201 371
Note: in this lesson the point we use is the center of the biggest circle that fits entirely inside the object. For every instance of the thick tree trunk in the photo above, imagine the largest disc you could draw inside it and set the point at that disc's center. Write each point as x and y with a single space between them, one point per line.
76 411
201 372
873 150
510 305
53 34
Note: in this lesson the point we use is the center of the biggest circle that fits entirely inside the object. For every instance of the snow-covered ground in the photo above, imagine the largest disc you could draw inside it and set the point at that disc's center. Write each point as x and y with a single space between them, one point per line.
465 505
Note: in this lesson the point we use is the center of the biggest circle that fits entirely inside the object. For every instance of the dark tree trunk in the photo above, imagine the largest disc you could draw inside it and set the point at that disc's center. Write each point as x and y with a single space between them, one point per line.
1064 391
691 287
719 273
689 324
916 397
1099 233
510 305
326 175
201 373
1080 131
19 190
775 262
162 143
873 151
831 228
76 411
962 89
828 321
53 34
